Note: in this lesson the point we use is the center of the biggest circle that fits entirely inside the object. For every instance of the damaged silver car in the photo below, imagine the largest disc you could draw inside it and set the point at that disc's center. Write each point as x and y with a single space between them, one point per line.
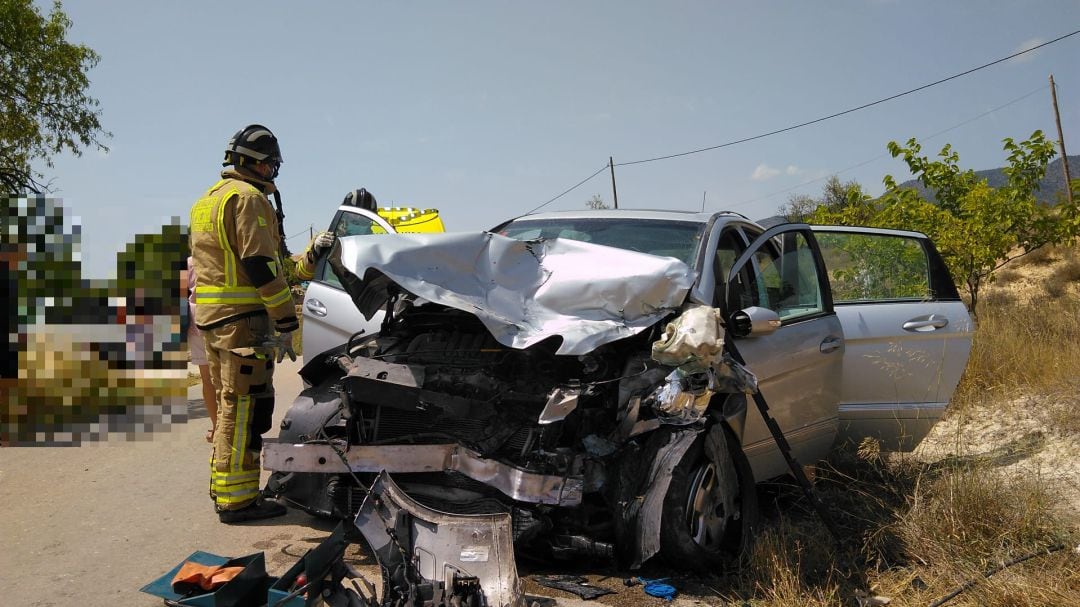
570 370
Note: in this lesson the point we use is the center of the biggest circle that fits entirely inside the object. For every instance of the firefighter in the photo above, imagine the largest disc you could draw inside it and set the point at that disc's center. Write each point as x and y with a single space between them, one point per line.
245 312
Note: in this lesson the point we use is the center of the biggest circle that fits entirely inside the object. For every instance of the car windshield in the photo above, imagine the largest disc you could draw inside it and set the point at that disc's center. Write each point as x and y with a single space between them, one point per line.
678 239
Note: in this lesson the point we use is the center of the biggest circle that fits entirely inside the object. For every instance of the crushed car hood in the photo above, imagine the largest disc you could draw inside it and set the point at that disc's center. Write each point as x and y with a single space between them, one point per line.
523 291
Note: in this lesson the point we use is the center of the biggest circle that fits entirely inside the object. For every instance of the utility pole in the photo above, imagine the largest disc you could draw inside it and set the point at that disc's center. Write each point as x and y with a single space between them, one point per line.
614 192
1061 142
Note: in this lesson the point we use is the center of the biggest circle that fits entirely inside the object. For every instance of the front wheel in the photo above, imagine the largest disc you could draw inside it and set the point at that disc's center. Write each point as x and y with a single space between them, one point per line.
711 505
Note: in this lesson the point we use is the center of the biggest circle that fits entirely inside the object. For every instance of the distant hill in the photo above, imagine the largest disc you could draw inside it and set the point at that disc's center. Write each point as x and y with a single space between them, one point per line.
1049 187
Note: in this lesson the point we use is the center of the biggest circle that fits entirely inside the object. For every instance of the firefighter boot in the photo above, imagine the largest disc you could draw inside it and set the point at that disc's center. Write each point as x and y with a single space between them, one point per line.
259 509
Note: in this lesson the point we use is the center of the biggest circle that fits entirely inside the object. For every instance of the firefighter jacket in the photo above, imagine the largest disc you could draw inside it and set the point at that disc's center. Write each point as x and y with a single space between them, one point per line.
236 246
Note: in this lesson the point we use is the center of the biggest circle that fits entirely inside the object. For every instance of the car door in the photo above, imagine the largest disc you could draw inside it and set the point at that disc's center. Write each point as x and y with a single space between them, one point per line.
330 317
799 364
907 332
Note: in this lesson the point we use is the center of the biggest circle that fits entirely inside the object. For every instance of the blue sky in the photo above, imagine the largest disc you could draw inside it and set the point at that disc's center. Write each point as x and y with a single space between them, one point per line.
485 110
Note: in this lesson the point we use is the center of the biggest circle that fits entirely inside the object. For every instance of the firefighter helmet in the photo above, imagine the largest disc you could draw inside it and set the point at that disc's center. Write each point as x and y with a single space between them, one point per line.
256 143
362 199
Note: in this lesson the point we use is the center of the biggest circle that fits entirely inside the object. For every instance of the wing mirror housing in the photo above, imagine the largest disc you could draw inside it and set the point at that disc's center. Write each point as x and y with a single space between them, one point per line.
754 321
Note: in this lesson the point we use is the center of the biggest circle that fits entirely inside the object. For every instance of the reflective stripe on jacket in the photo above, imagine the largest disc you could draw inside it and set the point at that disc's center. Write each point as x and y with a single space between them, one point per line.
231 222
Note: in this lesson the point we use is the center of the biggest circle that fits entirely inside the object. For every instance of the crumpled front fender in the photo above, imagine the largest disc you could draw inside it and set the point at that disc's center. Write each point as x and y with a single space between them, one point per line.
643 511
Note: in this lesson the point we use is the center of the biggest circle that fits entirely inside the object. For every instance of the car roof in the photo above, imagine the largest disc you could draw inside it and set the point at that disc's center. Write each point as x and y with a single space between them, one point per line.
655 214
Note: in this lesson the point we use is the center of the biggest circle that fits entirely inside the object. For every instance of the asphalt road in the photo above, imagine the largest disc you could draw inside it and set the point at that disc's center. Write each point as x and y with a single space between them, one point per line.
88 526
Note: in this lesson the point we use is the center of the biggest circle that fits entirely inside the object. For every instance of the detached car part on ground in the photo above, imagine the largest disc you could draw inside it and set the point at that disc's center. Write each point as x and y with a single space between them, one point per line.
567 370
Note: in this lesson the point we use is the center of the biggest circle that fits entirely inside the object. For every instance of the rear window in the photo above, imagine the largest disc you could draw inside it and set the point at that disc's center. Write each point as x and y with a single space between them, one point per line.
678 239
865 267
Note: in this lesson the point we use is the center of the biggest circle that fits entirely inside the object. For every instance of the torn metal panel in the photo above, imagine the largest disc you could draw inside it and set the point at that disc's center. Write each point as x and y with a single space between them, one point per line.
652 504
428 555
523 291
729 376
513 482
561 403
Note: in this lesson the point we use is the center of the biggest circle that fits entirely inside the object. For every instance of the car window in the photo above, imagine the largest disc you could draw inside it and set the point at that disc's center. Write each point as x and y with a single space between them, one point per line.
678 239
875 267
782 276
728 248
353 224
347 224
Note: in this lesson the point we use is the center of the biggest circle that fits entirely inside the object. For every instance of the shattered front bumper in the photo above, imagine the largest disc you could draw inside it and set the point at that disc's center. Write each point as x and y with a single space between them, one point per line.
459 559
515 483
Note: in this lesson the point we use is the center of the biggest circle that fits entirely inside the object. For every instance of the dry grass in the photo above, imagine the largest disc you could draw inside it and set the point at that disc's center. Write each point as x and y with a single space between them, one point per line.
1007 276
1064 276
1041 256
1019 346
917 527
912 532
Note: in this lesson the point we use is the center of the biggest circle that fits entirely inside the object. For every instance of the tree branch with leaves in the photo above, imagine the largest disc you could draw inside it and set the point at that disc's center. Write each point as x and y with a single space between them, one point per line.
45 108
977 228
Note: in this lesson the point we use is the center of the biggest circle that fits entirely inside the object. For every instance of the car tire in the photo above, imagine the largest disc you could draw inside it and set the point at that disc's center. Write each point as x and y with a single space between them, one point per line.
710 510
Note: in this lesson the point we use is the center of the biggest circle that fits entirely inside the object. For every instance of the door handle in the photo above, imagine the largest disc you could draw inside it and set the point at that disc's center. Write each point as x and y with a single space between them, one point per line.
830 344
316 307
926 323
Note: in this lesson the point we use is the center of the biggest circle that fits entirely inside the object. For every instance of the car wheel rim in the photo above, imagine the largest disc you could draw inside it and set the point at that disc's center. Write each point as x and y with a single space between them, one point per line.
706 517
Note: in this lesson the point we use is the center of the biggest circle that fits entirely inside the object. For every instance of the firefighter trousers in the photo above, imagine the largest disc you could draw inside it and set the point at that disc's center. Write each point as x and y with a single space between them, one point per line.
242 371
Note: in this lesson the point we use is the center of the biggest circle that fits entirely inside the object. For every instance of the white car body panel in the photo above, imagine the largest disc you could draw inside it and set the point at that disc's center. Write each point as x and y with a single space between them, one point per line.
330 317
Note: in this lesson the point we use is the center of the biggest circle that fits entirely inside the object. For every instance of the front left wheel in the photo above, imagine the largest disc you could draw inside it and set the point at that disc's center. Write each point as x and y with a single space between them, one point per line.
711 505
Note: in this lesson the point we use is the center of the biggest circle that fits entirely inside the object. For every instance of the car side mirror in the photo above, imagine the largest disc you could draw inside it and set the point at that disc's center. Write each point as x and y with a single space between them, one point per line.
754 321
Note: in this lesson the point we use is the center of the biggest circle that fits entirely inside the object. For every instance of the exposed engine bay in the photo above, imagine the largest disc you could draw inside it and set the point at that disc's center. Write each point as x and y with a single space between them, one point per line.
470 426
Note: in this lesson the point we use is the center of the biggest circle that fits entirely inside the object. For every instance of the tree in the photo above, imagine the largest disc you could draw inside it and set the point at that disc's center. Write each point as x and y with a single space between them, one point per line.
43 94
834 197
596 202
799 207
977 229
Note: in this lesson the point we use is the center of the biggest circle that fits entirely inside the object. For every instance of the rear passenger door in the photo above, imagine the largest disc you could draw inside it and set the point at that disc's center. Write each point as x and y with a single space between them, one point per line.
907 332
330 317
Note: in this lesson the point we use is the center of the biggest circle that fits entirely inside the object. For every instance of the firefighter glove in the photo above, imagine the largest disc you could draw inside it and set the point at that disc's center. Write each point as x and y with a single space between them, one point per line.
323 240
319 245
282 343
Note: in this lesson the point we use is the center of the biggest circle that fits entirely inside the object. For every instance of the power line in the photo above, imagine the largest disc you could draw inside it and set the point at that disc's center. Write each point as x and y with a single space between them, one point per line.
815 121
298 233
850 110
881 156
571 189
